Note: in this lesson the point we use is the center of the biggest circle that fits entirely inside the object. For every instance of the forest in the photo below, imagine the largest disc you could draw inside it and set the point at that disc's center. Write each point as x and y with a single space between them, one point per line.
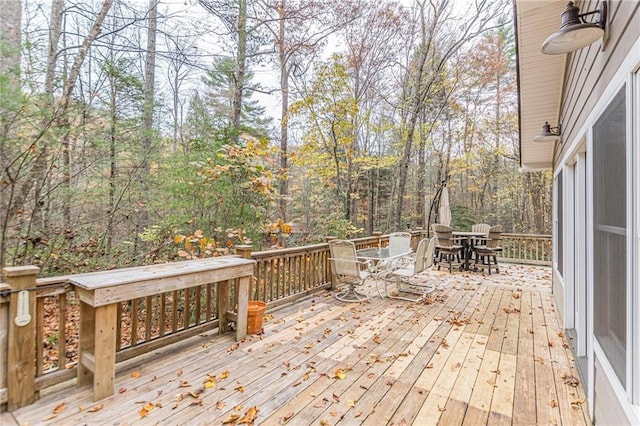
139 132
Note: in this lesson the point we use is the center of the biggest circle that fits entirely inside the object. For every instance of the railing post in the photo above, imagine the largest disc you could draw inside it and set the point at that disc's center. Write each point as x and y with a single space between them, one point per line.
21 370
244 251
330 273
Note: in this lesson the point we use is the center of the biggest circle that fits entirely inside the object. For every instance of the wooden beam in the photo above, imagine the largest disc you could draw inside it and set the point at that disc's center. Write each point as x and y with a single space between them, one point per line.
21 371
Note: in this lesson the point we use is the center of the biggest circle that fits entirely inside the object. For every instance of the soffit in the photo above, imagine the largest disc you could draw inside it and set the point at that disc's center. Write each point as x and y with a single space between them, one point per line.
540 78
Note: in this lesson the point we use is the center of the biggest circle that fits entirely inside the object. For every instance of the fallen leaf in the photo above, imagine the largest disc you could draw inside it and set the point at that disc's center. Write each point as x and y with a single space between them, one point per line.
59 408
240 389
220 405
231 419
577 402
179 372
209 383
553 403
146 408
49 417
336 398
135 374
122 390
224 374
96 408
249 416
340 374
570 379
184 384
287 417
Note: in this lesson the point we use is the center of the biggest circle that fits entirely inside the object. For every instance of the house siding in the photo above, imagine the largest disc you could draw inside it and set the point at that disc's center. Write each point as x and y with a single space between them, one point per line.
590 74
590 70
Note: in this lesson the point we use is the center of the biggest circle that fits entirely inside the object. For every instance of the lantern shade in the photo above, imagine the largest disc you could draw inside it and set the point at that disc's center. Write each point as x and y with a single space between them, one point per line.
575 33
571 38
548 134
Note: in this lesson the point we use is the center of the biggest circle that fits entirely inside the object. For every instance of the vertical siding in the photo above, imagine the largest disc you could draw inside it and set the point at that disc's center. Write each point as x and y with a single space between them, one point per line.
589 70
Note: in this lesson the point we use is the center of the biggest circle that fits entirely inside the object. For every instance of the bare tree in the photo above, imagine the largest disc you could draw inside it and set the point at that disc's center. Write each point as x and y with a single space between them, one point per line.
440 38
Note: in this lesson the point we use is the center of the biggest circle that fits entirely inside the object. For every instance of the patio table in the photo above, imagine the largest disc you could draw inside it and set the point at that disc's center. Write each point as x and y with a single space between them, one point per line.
380 258
467 238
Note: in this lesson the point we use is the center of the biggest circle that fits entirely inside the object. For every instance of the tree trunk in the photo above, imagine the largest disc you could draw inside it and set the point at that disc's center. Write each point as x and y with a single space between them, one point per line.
147 125
284 128
239 72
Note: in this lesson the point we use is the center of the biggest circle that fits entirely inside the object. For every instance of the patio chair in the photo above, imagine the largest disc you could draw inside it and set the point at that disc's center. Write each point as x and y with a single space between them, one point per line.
348 270
447 248
400 240
402 275
484 253
480 227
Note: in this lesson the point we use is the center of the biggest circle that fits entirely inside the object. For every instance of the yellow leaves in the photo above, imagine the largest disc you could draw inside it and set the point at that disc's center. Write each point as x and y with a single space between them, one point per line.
340 374
240 389
249 416
146 409
209 383
231 419
224 375
377 339
135 375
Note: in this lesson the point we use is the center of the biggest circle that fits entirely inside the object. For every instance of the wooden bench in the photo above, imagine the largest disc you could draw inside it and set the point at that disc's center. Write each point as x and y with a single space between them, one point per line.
100 293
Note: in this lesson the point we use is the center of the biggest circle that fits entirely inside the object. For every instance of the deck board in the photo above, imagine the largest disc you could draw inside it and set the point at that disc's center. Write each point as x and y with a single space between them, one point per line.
486 350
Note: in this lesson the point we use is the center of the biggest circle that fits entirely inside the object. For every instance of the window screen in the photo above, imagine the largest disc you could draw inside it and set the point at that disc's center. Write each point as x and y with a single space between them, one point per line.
560 231
610 233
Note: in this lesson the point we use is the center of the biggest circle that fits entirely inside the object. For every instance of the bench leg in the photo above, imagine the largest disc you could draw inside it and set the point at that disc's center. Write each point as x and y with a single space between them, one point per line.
97 348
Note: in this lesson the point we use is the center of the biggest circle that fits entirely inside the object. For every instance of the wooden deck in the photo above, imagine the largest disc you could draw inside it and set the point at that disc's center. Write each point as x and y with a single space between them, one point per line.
485 350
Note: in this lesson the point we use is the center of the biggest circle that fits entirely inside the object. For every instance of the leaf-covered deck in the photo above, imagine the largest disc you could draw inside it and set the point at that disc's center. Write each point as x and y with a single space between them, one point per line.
482 350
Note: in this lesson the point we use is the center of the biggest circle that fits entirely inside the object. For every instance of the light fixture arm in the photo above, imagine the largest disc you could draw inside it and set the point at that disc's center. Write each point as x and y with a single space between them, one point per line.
602 19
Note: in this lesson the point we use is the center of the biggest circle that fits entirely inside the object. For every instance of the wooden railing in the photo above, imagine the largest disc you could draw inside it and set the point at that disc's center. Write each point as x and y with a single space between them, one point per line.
528 249
280 276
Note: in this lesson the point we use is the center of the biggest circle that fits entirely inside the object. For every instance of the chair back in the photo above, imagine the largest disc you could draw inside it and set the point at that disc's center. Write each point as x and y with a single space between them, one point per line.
444 234
424 254
493 237
344 258
481 227
400 241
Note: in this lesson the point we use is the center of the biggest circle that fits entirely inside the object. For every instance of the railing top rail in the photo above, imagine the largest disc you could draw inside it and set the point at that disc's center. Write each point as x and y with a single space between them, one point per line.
528 236
289 250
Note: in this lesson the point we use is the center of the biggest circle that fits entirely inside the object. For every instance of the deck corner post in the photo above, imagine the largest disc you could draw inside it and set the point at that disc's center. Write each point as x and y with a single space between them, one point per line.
21 369
244 250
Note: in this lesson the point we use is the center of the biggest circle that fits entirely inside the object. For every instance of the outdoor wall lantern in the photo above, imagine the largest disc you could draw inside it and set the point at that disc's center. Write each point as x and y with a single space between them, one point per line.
549 134
575 32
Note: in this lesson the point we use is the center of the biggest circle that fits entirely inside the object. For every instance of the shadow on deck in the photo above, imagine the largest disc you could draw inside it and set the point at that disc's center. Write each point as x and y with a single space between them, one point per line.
481 350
